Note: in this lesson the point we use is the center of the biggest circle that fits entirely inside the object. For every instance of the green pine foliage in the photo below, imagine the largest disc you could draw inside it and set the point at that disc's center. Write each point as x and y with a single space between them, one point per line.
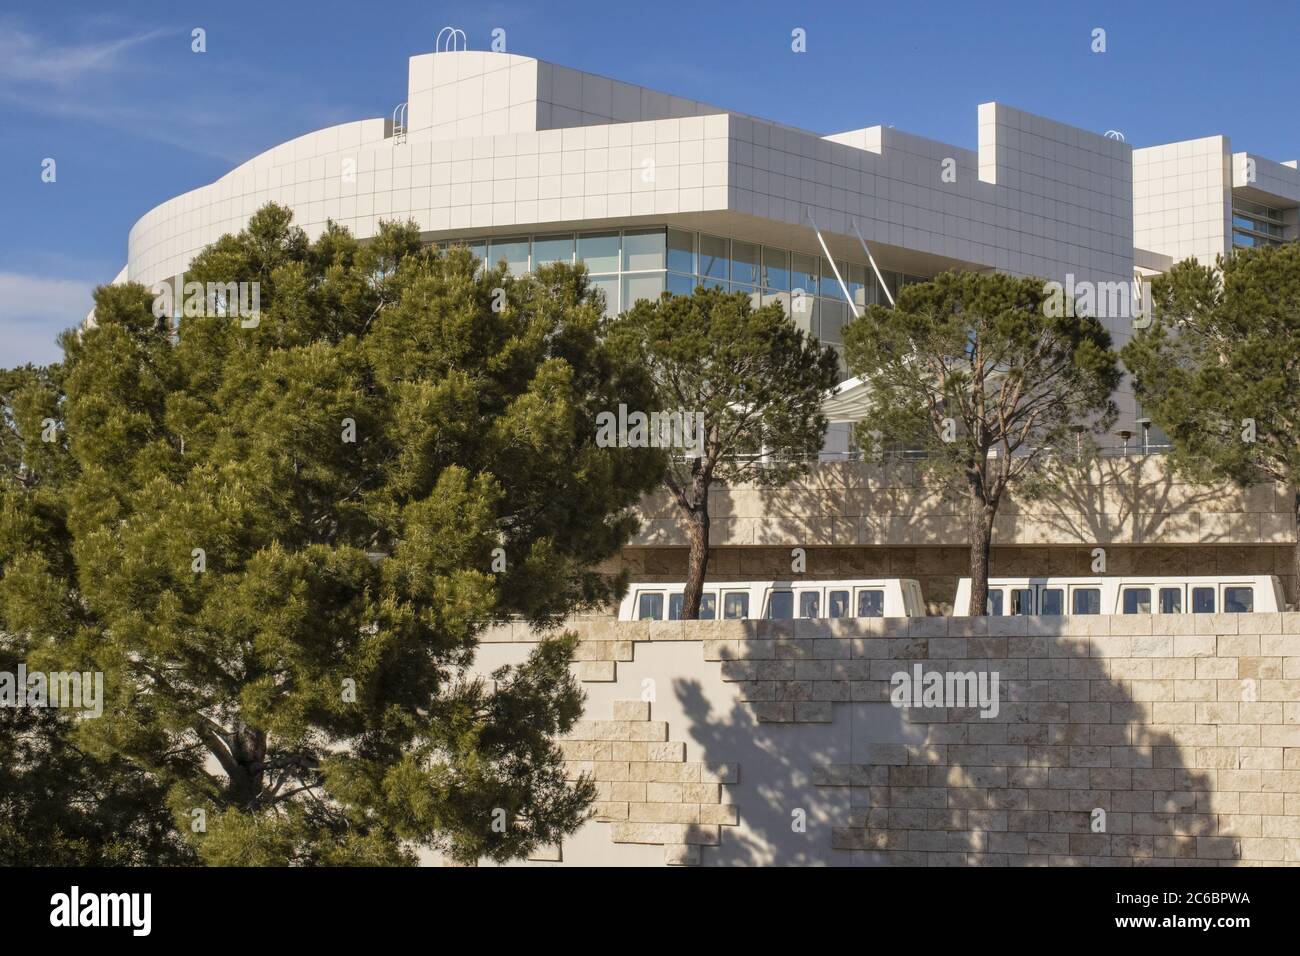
279 541
757 379
978 373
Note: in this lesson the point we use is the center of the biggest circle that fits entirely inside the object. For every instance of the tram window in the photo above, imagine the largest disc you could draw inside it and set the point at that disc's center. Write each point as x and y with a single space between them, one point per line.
1171 600
1051 601
994 603
650 607
1087 601
1202 600
871 604
735 605
810 604
1137 600
780 606
839 603
1022 600
708 606
1239 600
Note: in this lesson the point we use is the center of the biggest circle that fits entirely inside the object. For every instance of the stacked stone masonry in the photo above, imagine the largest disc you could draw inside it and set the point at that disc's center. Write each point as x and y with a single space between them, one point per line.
1184 730
645 787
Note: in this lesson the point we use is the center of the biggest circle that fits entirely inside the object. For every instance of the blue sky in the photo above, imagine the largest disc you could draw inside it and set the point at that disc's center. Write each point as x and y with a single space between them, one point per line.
133 117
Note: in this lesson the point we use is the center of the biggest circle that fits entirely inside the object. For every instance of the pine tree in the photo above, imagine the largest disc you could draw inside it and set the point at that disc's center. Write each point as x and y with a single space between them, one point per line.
1217 368
978 374
59 806
756 379
284 533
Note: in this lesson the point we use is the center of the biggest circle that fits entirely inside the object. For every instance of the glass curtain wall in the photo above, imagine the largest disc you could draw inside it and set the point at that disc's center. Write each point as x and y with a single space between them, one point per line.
628 265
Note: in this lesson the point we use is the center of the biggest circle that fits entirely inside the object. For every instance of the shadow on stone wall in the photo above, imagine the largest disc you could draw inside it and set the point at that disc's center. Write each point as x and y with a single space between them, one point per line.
924 787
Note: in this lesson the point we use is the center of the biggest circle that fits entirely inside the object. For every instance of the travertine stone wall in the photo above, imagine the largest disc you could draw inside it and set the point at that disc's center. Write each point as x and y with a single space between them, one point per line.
1120 504
1118 501
1184 730
646 787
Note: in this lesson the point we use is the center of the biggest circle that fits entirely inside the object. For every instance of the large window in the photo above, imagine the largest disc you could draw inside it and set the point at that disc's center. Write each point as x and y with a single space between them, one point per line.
681 252
513 251
629 265
548 249
643 250
776 269
638 287
714 261
744 266
1254 224
599 250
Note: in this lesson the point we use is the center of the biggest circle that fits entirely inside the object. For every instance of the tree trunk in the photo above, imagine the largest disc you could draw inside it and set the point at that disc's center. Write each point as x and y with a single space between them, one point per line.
1295 550
698 562
981 539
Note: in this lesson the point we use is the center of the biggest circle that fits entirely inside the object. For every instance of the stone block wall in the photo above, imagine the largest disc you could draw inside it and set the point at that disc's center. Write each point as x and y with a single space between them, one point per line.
1183 731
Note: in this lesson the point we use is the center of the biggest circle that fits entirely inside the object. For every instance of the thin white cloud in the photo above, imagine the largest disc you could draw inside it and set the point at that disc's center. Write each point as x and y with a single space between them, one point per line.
25 58
34 310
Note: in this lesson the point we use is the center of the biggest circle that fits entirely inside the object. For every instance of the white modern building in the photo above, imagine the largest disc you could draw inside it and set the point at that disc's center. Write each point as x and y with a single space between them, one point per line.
531 162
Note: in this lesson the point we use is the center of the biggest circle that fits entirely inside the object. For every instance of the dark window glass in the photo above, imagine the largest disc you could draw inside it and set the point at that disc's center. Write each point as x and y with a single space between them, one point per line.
1087 600
600 251
735 605
780 606
513 251
1202 600
1052 601
680 284
776 269
1171 600
552 249
871 604
608 287
1137 600
810 604
993 606
803 273
833 314
830 286
1022 600
648 285
839 603
713 258
650 607
1239 600
708 607
744 263
643 250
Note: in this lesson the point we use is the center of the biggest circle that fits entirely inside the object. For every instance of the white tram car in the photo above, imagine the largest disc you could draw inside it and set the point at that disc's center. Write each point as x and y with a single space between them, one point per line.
1050 596
778 600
